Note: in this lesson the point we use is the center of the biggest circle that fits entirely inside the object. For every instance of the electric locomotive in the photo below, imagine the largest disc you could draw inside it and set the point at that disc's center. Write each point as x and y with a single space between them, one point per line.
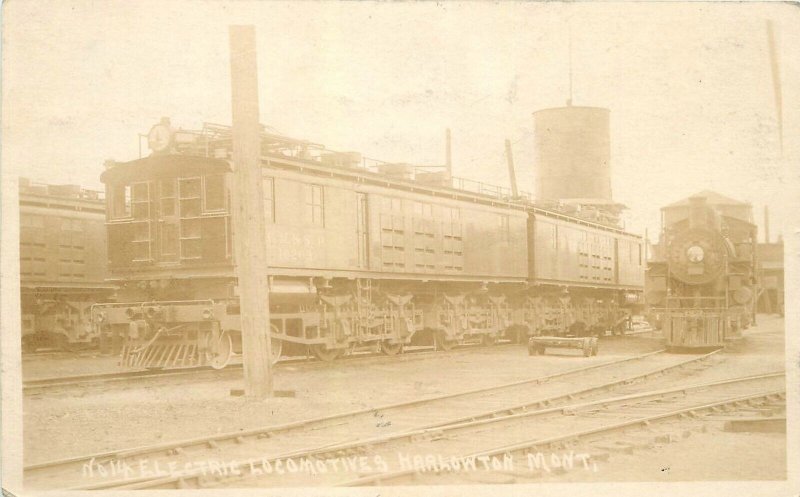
362 255
62 264
702 277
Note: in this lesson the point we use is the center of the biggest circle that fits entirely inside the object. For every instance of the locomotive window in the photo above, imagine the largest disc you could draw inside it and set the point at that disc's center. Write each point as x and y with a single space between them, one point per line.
190 188
189 191
315 205
215 192
167 187
120 201
140 201
269 200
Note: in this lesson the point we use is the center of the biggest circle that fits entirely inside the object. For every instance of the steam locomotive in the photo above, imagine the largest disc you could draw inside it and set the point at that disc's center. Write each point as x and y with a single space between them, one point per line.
362 255
702 276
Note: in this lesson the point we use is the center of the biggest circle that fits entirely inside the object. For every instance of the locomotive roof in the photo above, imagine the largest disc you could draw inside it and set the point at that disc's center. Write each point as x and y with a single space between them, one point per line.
163 166
712 198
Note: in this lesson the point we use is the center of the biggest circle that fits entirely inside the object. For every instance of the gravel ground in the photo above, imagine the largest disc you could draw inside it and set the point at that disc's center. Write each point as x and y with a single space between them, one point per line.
76 421
47 366
715 455
162 410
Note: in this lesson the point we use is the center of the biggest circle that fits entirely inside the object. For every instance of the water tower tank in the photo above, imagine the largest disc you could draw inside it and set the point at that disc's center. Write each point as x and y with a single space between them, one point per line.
572 153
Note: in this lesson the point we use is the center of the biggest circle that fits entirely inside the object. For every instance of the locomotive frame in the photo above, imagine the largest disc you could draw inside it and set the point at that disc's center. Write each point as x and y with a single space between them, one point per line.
429 263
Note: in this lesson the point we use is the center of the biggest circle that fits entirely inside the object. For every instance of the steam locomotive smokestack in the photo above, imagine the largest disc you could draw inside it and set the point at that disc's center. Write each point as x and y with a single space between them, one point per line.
697 212
766 224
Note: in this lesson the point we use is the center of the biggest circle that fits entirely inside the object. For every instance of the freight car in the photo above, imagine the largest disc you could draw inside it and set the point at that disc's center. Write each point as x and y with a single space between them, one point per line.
360 255
702 276
62 264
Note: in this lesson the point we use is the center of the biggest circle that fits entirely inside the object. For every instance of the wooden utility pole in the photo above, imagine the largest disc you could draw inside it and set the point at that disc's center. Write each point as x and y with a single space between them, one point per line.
448 156
512 176
247 201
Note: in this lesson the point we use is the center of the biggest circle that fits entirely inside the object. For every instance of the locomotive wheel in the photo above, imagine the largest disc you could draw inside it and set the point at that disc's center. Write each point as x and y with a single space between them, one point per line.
323 353
390 349
442 342
223 351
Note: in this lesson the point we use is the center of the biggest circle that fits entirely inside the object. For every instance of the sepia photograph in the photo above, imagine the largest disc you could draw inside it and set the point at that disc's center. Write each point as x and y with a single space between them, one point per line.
401 248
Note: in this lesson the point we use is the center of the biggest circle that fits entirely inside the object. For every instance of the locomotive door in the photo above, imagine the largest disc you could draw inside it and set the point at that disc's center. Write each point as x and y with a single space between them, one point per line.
362 228
167 220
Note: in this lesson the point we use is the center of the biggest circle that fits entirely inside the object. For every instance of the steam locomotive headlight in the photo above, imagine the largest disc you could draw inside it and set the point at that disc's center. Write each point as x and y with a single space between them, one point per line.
695 253
207 314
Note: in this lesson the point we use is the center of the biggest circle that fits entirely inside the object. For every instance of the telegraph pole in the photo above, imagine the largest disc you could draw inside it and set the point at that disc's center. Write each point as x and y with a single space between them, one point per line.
512 175
247 202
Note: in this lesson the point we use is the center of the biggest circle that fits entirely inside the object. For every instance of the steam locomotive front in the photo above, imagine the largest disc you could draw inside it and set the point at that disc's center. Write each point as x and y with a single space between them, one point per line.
697 254
701 283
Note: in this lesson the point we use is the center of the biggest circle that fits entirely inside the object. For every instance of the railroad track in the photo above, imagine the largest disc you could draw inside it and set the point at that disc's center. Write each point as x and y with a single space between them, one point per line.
588 427
308 436
57 382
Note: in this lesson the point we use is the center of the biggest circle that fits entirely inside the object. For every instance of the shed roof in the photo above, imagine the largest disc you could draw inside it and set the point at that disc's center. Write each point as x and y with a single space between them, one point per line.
712 198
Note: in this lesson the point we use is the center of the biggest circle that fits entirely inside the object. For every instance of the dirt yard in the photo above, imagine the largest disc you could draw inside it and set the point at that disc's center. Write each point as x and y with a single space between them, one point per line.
79 421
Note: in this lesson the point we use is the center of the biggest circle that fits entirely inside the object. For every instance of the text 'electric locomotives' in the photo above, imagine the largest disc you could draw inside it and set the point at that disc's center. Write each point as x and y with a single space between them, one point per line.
359 257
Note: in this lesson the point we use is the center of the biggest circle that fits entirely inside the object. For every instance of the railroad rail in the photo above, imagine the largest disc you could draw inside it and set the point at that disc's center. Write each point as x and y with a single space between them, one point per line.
583 423
308 436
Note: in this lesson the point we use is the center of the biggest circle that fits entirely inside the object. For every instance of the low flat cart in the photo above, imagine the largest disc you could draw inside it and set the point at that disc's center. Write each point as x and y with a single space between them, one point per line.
537 345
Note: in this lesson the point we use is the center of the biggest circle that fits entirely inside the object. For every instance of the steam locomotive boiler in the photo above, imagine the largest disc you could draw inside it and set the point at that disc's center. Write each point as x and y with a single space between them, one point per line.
701 277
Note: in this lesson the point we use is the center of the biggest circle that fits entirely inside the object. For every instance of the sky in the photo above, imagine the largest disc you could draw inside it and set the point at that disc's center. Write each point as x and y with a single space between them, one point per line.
688 86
